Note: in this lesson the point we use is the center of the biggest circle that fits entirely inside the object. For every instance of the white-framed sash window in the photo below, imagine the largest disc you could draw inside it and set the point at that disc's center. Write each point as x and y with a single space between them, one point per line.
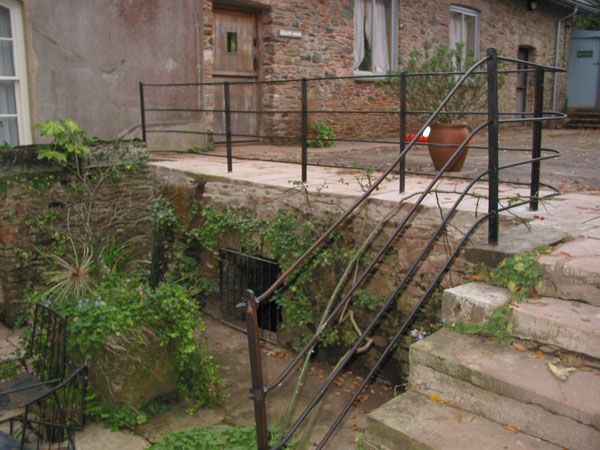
15 126
375 36
464 27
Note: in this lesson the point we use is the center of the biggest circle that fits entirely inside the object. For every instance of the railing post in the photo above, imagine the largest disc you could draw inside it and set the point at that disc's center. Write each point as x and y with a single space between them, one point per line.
257 393
537 139
228 125
492 78
143 111
304 129
402 166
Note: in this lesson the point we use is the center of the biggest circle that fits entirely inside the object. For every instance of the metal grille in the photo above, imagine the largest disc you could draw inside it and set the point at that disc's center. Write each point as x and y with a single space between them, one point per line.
238 272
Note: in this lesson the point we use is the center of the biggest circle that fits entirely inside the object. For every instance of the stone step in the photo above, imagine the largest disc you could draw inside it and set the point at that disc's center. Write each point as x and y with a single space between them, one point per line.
413 422
572 271
573 326
513 388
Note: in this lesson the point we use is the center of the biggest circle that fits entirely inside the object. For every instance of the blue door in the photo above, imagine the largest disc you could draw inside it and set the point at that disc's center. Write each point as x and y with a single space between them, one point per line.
584 69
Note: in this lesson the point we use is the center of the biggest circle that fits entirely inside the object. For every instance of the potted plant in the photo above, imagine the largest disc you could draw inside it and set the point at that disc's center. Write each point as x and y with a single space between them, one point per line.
425 93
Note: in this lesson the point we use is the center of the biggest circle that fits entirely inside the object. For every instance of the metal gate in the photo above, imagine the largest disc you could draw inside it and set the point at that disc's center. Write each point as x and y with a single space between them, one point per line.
238 272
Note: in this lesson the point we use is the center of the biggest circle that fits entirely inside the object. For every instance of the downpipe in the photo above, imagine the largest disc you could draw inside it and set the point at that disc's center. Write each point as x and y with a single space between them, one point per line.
556 53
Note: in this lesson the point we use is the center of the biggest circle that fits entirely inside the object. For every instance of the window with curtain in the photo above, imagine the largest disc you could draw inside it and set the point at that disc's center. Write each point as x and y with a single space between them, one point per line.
464 27
14 122
375 35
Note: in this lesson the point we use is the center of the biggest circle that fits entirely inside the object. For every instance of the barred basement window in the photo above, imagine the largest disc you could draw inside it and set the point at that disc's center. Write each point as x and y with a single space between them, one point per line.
239 272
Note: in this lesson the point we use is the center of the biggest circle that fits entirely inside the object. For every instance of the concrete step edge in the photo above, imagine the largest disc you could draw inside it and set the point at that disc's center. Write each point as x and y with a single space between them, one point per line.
413 422
573 326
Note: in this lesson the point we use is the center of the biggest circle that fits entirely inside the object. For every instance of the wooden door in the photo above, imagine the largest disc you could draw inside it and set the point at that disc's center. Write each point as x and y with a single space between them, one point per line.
521 100
236 60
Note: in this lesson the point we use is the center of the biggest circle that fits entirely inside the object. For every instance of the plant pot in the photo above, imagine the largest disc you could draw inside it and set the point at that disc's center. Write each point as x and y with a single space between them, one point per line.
444 139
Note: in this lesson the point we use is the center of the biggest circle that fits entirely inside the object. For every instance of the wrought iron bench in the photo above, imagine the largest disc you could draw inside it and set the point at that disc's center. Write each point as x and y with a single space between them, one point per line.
43 362
50 421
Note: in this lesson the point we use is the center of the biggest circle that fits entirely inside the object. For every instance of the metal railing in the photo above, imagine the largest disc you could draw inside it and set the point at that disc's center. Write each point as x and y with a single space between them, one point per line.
493 120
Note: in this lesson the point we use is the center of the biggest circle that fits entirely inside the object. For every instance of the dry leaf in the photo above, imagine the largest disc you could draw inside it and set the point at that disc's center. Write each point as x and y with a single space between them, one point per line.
458 418
560 372
477 277
540 354
452 405
514 304
436 398
472 419
585 369
586 320
511 428
540 303
485 352
565 253
533 356
518 347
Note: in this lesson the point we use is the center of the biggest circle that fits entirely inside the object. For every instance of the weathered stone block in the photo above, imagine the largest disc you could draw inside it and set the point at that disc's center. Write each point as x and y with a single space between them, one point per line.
133 370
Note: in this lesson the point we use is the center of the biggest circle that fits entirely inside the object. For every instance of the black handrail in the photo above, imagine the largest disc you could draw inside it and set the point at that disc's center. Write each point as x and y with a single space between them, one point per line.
491 175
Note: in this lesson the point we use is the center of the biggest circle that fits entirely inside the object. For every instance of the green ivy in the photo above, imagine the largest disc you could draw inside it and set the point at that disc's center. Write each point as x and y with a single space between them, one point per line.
6 183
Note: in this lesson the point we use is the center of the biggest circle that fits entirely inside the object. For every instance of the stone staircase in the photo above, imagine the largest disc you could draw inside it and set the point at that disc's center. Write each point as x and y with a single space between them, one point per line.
584 118
468 392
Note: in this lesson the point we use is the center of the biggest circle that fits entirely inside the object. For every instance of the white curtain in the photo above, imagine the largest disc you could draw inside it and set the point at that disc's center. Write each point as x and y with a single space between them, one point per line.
458 32
378 38
370 20
359 32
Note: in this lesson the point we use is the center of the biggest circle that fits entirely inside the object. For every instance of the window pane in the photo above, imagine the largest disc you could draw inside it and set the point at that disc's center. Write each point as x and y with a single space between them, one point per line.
470 24
8 104
9 132
5 29
7 64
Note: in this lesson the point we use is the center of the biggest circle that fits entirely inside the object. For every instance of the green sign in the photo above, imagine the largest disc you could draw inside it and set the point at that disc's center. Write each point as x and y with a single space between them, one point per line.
585 53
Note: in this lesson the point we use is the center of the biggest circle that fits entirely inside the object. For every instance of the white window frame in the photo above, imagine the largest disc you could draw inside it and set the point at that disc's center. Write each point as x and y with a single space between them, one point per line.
20 77
472 13
392 43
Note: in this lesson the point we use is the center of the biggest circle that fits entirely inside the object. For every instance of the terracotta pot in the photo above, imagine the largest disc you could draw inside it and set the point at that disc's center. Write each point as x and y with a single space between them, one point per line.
444 139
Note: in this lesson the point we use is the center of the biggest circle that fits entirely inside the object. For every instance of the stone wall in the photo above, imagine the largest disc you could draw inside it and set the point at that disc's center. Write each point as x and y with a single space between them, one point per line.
326 50
37 196
264 202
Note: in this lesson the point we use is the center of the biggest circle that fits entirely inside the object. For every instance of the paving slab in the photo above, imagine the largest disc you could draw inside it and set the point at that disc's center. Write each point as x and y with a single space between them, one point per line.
510 387
512 242
413 422
573 326
95 437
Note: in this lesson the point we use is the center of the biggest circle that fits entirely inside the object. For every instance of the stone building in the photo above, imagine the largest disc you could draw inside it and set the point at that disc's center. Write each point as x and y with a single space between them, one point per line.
84 59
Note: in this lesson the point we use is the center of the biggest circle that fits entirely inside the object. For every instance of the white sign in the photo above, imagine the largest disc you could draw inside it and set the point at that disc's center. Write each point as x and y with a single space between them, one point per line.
290 33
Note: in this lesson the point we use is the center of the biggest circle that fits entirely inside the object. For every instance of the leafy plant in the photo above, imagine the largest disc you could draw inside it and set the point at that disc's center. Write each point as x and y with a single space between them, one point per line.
209 147
325 136
425 92
72 278
117 417
121 303
520 274
239 437
69 141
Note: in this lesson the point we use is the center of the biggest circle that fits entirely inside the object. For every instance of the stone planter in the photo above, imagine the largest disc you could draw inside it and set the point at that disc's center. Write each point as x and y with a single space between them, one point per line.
133 370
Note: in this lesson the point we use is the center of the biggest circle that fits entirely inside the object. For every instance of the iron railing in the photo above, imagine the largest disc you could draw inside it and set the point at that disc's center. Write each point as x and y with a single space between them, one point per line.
494 118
